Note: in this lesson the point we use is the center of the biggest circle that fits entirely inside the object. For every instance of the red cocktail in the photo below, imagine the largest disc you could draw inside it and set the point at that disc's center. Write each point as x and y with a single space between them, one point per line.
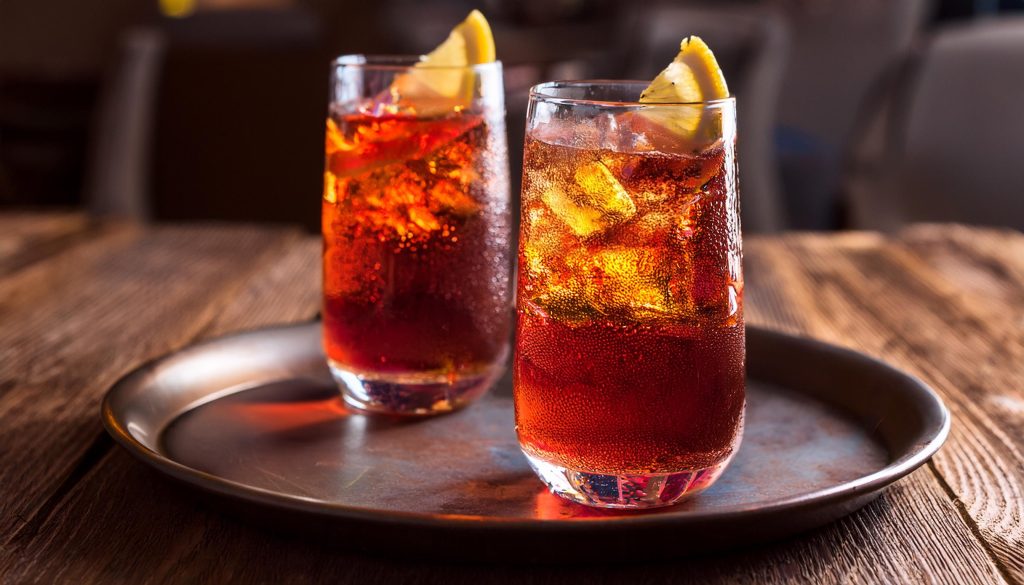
629 367
416 233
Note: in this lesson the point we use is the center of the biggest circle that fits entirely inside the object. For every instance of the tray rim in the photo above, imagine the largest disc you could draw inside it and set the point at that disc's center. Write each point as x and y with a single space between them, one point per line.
863 486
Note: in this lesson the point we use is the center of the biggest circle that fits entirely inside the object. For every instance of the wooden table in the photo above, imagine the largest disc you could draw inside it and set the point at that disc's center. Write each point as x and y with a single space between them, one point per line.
83 302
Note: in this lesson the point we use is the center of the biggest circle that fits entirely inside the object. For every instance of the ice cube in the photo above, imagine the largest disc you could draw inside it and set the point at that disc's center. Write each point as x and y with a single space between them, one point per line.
446 196
582 220
333 138
603 191
551 283
564 303
423 218
608 134
631 138
657 179
358 144
568 133
653 228
591 203
667 230
544 242
330 187
626 281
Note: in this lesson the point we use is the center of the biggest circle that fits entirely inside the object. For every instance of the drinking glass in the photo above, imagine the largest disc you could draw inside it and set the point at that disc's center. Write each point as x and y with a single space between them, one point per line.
416 262
629 359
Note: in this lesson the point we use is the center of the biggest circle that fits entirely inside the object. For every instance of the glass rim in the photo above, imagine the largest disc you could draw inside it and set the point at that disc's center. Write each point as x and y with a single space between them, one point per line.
402 63
540 91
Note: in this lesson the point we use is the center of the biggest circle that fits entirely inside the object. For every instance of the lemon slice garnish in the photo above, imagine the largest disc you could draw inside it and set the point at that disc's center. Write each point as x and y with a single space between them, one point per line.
437 76
692 77
469 43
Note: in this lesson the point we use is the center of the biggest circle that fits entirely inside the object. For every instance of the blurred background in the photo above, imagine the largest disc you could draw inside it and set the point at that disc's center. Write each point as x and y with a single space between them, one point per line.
852 114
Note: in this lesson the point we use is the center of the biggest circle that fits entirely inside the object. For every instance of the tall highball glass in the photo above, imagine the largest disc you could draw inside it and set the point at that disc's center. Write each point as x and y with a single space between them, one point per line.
416 230
629 359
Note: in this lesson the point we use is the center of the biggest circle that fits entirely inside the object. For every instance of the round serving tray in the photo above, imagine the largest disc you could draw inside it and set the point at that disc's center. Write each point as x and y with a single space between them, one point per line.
255 421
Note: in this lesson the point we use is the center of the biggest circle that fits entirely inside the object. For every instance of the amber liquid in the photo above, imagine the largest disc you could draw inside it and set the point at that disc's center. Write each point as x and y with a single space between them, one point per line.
416 267
630 339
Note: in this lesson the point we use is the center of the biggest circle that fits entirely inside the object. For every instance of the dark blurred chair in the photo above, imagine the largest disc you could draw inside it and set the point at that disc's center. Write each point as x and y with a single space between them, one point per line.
839 52
218 116
750 45
946 144
118 182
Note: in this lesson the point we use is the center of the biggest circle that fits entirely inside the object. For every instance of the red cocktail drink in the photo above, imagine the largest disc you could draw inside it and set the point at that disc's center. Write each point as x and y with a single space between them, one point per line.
629 367
416 263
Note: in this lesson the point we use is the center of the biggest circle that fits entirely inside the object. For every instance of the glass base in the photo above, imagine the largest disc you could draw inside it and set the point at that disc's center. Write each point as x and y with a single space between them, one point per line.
410 394
631 492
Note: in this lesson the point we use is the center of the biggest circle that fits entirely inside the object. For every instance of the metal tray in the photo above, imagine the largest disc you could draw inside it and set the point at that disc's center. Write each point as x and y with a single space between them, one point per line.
254 421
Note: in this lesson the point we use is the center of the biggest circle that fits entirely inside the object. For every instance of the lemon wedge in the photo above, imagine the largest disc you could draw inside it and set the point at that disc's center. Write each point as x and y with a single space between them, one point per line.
469 43
438 75
692 77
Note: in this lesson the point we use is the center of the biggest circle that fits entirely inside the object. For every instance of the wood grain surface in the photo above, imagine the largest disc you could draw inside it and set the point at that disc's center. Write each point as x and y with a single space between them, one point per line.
28 237
82 303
